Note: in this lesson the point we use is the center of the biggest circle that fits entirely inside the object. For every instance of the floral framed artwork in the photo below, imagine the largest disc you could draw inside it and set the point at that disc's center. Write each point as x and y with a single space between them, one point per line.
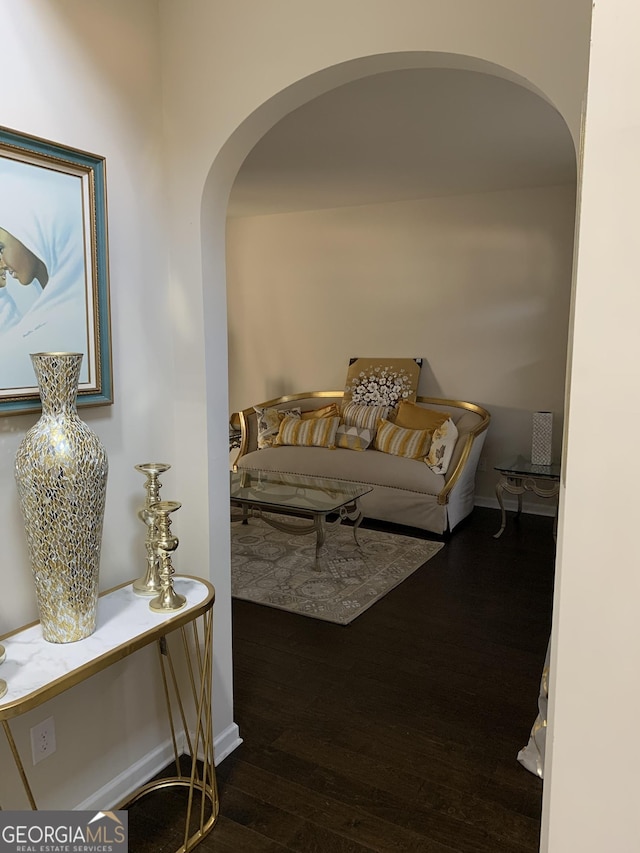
54 279
382 381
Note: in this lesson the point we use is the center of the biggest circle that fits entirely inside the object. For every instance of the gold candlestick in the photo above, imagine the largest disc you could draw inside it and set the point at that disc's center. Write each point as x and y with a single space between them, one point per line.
166 544
3 683
149 584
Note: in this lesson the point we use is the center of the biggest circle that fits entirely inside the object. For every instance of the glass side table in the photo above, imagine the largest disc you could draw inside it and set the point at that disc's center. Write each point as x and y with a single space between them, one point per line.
519 476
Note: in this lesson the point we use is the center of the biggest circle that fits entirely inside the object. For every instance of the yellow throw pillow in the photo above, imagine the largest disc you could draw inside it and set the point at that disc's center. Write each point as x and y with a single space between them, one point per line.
411 443
413 416
316 432
330 411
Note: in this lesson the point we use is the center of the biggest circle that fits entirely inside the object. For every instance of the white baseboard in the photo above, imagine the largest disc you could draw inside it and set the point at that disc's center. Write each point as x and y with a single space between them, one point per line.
511 505
125 783
226 742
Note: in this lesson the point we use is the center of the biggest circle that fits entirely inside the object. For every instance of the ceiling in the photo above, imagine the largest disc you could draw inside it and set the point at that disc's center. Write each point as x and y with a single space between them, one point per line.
402 135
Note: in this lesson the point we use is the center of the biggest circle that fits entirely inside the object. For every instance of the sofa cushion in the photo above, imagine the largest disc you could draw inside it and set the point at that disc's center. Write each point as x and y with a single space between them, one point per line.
268 422
411 443
314 432
414 416
363 416
442 446
371 466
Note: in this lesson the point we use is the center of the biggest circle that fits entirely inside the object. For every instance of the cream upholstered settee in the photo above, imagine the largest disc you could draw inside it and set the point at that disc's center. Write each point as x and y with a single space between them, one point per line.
405 491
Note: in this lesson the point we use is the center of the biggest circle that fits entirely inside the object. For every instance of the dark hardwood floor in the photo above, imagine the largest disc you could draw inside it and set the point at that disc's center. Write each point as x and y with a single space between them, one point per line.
400 731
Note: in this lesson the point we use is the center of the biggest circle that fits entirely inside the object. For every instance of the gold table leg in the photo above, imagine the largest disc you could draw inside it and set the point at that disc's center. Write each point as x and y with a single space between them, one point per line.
513 485
198 651
19 765
353 512
518 486
315 525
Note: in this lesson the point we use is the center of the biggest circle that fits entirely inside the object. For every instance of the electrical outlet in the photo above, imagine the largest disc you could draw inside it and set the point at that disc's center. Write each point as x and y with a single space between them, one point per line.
43 740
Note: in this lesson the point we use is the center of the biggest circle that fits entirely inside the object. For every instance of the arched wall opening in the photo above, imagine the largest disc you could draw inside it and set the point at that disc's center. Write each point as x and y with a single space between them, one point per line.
218 186
232 154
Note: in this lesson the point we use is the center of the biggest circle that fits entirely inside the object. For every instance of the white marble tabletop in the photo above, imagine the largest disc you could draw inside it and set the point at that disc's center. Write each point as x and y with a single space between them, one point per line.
33 666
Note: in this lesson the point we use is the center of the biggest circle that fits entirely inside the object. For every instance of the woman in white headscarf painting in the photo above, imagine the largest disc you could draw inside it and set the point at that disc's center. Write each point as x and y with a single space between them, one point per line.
43 297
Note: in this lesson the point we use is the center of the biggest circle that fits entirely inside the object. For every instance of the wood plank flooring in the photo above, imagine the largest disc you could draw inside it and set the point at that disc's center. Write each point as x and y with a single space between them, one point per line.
400 731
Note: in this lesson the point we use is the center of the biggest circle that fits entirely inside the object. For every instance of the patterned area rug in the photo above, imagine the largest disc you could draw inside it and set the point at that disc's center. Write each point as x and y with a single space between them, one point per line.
280 569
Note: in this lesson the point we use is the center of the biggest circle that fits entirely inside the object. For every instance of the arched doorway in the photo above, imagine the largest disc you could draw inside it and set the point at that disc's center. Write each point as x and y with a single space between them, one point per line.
225 167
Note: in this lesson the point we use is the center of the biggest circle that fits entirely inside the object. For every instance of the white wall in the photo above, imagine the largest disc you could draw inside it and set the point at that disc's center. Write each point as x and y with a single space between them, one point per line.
591 788
478 286
88 76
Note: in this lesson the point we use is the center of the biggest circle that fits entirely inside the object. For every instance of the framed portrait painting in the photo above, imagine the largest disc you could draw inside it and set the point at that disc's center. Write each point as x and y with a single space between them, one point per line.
54 283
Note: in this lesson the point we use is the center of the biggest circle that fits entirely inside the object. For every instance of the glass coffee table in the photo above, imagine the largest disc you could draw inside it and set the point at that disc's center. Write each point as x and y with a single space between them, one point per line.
260 493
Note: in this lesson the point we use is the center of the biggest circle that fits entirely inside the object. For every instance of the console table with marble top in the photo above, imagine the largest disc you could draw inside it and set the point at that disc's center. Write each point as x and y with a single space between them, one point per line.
35 670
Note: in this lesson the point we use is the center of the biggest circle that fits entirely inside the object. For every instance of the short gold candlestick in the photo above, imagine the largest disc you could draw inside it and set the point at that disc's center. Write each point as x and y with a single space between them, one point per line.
3 683
149 584
166 544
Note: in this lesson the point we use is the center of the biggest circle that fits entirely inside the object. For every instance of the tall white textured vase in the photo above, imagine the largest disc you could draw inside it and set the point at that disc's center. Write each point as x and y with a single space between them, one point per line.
61 473
541 436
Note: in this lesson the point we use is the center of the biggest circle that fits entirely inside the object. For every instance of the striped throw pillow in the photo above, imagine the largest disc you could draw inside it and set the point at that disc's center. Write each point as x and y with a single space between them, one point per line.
411 443
363 416
315 432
